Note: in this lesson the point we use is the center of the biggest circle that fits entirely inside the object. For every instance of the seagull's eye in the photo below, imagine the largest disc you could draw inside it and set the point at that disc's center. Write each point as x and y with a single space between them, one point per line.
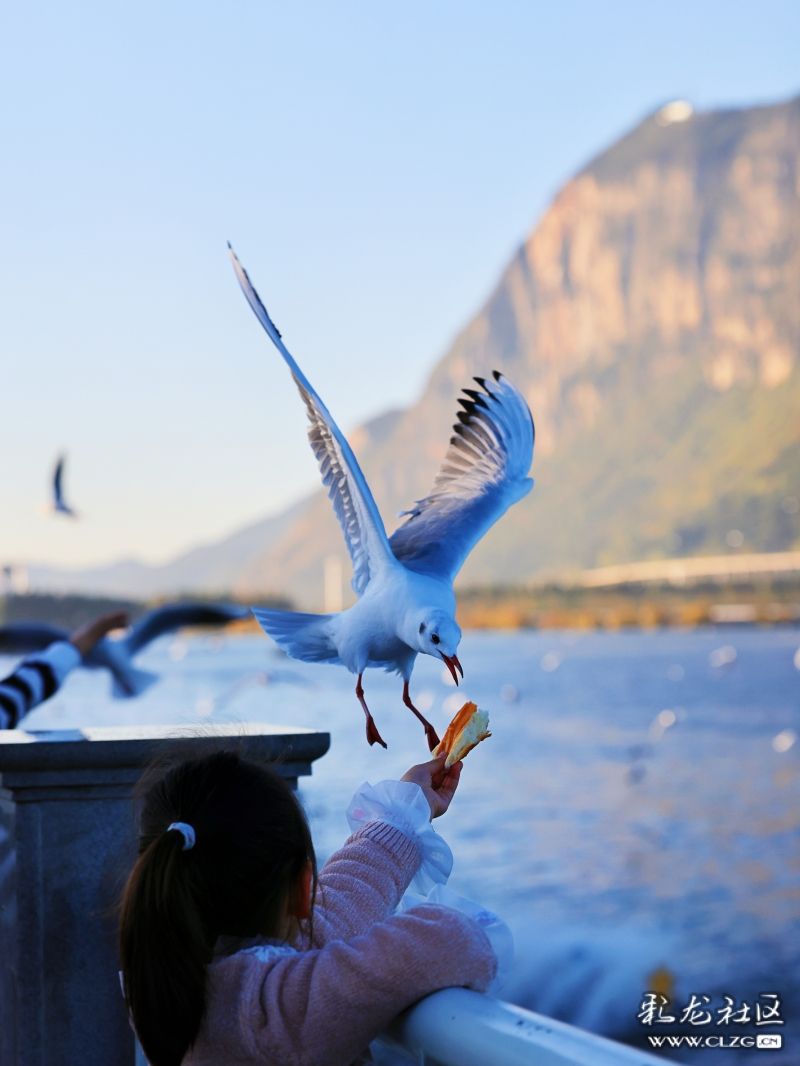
435 639
422 627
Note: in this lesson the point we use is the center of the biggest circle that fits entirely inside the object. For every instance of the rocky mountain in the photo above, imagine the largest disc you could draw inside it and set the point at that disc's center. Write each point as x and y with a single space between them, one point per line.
652 319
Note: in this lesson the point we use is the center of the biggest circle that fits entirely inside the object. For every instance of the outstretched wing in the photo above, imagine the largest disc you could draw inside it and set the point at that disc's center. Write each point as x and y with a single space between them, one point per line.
174 616
484 472
347 487
58 474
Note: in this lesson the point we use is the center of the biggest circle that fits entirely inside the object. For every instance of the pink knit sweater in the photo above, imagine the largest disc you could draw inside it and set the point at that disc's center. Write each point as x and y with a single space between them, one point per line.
322 1006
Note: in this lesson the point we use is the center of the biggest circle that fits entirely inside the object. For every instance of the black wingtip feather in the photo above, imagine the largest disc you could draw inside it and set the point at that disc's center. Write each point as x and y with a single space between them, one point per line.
496 374
477 397
485 387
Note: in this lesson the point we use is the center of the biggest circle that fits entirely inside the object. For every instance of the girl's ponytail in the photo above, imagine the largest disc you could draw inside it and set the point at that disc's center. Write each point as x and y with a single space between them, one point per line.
165 947
227 870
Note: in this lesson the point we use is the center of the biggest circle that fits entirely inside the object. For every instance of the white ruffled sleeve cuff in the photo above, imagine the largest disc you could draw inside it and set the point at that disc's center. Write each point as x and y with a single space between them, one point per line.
402 804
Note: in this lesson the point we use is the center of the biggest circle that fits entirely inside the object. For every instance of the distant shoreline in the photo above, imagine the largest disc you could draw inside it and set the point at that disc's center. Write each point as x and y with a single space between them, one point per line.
631 607
759 600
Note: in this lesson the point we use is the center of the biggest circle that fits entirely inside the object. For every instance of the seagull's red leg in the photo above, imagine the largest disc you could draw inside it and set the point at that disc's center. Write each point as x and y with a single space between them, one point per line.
430 732
373 736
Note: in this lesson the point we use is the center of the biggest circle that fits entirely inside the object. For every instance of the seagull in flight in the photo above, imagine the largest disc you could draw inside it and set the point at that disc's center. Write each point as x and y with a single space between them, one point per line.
406 605
116 654
60 505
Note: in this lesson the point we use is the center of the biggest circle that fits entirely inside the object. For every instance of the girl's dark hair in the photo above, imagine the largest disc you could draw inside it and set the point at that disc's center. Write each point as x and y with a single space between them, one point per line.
252 842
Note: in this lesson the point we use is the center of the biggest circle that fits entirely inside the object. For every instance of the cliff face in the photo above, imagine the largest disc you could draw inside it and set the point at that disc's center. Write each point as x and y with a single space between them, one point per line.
652 319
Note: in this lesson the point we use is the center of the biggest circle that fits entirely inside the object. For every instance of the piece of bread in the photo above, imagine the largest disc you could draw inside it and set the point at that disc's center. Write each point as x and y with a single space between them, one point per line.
467 729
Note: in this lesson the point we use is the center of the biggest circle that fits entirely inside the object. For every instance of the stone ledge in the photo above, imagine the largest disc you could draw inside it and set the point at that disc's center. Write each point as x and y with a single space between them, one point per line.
67 840
114 748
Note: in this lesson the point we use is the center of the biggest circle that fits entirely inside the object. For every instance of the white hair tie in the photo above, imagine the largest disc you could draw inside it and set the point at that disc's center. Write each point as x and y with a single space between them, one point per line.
186 831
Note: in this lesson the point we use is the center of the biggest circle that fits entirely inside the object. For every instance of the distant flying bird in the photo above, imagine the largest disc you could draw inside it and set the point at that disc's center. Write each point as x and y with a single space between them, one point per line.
406 604
60 505
116 655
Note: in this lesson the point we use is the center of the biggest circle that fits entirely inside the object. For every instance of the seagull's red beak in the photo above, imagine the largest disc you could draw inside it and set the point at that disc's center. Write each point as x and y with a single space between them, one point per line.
452 663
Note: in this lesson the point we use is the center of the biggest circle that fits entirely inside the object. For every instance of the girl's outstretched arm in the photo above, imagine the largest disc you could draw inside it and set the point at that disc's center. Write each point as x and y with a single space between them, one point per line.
363 882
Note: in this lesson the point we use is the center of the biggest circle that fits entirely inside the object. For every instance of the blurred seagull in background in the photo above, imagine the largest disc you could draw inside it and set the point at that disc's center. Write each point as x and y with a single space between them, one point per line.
116 654
406 604
60 505
172 616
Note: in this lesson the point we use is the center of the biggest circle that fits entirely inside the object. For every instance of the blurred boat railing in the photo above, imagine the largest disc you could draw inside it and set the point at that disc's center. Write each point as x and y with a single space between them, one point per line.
456 1027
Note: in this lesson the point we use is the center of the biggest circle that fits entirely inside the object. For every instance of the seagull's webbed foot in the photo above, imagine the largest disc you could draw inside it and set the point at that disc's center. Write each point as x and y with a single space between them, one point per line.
430 733
373 736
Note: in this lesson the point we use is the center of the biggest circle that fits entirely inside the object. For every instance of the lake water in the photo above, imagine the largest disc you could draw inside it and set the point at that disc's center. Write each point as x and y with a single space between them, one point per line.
636 810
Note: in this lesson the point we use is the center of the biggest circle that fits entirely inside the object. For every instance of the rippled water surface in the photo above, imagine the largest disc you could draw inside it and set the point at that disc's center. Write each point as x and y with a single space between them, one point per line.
635 810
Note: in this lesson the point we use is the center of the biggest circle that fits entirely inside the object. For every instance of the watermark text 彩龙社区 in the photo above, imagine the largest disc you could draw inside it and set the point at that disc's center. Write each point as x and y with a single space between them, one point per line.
717 1018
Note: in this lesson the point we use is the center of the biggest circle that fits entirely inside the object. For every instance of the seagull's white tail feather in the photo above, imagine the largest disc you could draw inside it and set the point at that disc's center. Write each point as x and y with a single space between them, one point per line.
303 636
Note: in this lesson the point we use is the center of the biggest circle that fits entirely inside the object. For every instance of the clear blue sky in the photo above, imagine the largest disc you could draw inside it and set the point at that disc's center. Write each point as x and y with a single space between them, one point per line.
374 164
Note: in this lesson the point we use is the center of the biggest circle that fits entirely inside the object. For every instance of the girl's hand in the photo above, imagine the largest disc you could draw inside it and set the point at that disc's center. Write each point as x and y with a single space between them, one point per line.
438 784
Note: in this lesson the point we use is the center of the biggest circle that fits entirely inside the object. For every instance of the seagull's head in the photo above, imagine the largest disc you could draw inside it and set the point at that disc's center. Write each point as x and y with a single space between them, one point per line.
438 635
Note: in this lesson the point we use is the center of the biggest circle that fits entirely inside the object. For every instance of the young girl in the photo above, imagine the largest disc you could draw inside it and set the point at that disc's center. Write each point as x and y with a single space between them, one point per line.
235 952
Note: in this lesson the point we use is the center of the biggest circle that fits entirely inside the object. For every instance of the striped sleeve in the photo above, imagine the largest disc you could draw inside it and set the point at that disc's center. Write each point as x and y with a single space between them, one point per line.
35 680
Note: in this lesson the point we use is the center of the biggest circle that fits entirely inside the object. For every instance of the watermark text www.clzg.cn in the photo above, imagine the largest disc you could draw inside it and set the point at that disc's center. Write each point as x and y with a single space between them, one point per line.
702 1012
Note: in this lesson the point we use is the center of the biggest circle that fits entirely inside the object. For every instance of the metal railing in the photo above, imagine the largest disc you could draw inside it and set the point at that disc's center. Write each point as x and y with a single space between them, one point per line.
456 1027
